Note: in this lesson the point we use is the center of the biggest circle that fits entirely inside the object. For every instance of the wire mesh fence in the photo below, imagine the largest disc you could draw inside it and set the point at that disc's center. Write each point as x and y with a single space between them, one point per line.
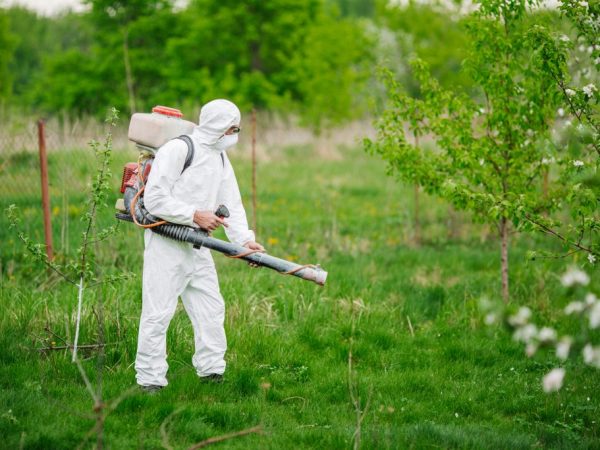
70 166
70 158
69 154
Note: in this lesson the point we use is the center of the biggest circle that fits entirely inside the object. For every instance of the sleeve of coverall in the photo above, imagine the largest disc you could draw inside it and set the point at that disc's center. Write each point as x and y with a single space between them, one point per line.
229 195
158 197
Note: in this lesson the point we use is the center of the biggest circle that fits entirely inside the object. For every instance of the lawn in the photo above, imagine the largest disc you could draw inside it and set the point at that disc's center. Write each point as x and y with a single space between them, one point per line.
428 372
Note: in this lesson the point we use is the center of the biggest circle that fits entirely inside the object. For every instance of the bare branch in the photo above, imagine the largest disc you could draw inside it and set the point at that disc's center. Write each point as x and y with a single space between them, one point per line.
213 440
70 347
86 380
552 232
164 433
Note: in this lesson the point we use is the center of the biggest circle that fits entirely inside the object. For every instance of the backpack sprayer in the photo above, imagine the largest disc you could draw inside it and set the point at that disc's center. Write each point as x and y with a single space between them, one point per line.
151 131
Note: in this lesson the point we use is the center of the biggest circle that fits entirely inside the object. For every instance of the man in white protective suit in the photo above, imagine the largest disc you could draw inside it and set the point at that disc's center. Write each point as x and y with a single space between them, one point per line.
172 268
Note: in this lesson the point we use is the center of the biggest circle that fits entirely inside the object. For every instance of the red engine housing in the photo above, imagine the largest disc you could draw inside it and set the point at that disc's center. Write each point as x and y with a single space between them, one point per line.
129 176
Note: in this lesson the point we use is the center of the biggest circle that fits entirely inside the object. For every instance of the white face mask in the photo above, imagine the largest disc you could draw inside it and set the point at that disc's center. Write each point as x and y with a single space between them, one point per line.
226 141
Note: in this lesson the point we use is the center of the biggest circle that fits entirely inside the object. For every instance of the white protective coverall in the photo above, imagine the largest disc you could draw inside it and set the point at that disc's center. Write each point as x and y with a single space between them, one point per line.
173 269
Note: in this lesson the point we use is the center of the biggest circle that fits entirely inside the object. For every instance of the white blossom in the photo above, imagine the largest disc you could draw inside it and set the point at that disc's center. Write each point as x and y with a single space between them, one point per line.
584 4
521 317
561 112
548 161
564 38
590 298
491 319
570 92
591 258
563 347
578 163
574 307
531 348
553 380
525 333
595 316
547 334
591 355
589 90
597 60
574 276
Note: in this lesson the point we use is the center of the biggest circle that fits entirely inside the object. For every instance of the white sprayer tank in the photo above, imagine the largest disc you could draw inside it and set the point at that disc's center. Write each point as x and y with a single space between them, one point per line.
150 131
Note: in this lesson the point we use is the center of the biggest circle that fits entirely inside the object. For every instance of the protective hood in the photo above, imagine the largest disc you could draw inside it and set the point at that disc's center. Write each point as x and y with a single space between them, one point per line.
216 117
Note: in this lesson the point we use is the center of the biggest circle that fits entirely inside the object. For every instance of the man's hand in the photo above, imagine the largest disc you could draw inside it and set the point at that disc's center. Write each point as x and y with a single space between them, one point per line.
251 245
208 221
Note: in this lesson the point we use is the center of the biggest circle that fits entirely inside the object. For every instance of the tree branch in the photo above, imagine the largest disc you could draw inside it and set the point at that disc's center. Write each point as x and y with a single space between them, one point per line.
213 440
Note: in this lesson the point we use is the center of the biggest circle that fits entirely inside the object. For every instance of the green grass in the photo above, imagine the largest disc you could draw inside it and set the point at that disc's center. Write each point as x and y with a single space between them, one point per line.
455 384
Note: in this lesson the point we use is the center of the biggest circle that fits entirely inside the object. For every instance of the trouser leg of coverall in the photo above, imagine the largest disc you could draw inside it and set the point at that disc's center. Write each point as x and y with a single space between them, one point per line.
164 279
205 307
151 360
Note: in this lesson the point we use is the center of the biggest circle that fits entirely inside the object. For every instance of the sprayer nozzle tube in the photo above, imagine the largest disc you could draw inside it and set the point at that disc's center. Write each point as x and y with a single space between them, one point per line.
199 238
317 275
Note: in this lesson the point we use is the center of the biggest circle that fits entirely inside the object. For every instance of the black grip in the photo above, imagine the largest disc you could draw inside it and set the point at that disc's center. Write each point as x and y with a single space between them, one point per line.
222 212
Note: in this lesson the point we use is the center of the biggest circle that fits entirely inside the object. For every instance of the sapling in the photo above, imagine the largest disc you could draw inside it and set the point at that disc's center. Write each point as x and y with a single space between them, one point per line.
488 157
83 272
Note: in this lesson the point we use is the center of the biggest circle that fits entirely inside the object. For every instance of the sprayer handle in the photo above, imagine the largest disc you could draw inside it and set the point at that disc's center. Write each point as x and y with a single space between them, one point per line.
222 212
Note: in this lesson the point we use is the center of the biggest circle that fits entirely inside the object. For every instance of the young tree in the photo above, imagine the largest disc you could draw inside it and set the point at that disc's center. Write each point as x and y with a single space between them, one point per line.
84 273
489 156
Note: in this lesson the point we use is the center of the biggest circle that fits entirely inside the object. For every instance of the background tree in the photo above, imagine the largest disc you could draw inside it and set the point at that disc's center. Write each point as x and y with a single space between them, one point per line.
433 31
250 65
286 56
7 44
332 75
115 20
40 39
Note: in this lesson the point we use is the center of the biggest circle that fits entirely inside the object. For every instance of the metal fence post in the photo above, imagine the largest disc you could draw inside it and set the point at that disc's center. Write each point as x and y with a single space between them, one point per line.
45 192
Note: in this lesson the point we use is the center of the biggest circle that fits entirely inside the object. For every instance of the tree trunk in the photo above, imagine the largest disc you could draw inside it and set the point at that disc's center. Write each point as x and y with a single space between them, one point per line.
417 236
128 75
504 225
452 232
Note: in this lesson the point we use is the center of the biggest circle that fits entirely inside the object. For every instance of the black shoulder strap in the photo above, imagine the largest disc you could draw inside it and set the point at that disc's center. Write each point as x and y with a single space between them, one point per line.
190 153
